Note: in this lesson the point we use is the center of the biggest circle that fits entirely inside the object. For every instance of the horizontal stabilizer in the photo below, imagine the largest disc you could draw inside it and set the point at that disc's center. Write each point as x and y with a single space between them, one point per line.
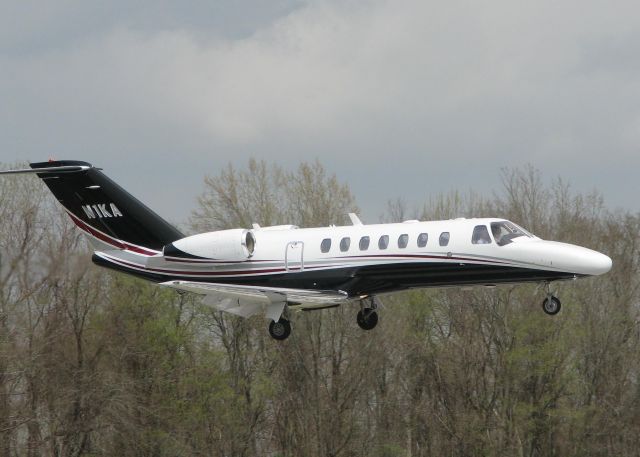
61 169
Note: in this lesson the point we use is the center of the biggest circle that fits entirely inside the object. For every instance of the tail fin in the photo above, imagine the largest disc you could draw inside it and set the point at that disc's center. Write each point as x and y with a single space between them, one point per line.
103 209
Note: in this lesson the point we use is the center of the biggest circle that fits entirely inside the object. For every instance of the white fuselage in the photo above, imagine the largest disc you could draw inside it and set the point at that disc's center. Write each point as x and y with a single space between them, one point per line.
284 255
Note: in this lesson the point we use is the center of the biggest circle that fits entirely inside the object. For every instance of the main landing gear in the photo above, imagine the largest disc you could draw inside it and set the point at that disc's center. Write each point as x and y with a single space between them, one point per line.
551 304
280 330
367 319
367 316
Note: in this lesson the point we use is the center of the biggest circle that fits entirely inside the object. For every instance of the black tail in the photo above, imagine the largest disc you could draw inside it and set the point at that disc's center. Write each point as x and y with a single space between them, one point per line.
103 209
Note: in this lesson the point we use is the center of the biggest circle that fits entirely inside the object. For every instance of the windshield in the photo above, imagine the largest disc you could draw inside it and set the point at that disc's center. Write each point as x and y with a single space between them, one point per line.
504 232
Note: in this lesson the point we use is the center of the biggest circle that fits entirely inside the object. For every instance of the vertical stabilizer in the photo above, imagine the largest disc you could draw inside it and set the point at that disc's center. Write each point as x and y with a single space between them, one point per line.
103 209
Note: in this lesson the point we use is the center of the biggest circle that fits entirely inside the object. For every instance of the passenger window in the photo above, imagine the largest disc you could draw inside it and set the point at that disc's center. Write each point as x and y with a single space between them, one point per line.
383 242
345 243
480 235
444 238
364 243
403 240
422 240
325 245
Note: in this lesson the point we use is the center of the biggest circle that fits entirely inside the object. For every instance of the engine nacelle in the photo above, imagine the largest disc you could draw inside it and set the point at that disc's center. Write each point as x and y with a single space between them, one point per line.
233 245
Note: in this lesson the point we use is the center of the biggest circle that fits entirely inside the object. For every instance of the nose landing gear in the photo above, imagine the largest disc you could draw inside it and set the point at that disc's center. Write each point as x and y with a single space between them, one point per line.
551 304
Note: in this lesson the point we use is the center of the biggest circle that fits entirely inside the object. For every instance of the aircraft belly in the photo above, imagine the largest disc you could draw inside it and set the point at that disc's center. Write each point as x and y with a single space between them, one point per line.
379 279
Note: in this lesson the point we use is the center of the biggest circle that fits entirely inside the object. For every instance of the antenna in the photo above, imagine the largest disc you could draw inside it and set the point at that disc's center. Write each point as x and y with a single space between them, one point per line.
355 220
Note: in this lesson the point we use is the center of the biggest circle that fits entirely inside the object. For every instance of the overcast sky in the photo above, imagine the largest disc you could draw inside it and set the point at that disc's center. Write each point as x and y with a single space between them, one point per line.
400 98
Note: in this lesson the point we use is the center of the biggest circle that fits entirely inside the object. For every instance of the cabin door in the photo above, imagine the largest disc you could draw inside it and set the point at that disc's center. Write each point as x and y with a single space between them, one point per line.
294 256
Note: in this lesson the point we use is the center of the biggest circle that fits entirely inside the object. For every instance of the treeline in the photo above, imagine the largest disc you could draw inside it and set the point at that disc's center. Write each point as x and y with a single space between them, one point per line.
95 363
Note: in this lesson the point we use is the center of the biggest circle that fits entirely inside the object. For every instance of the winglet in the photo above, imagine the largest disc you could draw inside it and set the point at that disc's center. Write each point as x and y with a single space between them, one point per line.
355 220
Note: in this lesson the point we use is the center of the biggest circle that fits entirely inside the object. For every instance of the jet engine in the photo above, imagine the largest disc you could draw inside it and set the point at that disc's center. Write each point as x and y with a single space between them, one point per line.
233 245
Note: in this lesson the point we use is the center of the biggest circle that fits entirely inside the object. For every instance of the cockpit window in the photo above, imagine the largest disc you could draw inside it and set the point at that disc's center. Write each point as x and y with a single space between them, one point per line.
480 235
504 232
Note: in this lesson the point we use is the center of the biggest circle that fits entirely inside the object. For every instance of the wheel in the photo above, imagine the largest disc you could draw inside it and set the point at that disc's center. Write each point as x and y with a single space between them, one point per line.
280 330
551 305
367 318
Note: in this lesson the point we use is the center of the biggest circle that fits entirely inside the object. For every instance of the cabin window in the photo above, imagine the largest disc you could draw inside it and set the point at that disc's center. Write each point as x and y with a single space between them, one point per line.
325 245
444 238
383 242
422 240
480 235
364 243
403 240
345 243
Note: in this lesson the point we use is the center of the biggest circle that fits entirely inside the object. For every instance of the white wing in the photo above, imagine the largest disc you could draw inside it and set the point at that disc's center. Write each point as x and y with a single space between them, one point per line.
246 301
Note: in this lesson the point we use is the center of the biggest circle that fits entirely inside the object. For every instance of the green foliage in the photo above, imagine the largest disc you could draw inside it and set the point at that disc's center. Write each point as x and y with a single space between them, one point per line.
390 450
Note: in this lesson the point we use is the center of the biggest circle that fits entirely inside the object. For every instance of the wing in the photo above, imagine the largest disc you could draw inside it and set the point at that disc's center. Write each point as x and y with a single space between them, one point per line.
246 301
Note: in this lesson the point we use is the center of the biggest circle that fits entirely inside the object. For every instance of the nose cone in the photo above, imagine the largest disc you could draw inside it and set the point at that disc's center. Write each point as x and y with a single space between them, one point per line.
597 263
560 257
579 260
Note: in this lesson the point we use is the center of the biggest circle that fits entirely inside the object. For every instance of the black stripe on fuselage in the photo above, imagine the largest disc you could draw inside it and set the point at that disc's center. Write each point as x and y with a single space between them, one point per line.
371 279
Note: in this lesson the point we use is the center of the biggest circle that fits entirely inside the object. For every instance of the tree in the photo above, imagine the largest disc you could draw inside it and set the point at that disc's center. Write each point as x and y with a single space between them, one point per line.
99 363
323 360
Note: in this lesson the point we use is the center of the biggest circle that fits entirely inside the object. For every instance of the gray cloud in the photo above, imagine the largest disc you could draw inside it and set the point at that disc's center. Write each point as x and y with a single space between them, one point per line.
400 98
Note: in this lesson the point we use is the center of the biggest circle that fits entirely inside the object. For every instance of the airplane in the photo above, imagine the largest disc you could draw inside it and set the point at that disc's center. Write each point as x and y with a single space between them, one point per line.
277 270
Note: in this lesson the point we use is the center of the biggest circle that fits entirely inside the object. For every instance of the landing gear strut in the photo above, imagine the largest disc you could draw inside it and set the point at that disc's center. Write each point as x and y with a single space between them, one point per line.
367 316
551 304
280 330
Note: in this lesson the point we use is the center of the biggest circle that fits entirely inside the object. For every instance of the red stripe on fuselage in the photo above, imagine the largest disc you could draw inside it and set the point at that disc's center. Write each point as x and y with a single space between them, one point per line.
192 273
213 261
421 256
118 244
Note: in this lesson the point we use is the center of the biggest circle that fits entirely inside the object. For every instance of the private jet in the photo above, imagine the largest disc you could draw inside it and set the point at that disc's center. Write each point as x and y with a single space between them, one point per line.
277 270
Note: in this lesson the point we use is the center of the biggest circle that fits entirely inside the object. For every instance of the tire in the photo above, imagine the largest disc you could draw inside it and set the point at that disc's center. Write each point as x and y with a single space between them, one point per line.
280 330
367 319
551 306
